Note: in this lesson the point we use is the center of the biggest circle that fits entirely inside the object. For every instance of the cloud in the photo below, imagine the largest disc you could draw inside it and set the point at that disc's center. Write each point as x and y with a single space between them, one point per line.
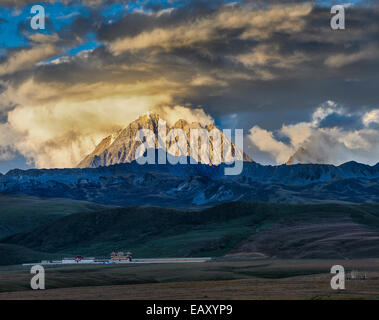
340 60
205 80
8 141
44 38
263 55
264 140
27 58
56 131
336 146
251 24
371 117
331 137
173 114
342 121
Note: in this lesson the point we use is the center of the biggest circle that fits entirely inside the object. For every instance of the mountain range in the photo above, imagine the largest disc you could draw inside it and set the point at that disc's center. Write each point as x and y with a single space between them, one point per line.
199 185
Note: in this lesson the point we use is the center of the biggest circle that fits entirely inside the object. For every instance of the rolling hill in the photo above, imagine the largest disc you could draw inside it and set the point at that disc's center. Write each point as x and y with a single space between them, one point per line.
20 213
11 254
233 229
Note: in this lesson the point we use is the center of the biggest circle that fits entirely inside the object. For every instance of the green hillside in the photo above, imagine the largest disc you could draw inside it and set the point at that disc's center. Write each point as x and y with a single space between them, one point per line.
307 231
14 254
20 213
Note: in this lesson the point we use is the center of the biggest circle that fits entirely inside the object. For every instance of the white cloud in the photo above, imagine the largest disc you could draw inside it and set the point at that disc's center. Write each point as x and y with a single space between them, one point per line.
371 117
8 139
307 142
173 114
264 140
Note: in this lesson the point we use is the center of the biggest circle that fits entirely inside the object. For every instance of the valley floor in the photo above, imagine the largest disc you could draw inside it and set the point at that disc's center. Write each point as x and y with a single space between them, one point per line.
248 279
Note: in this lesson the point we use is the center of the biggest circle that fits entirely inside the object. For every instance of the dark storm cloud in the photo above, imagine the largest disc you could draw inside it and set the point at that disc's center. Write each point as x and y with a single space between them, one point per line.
81 26
308 83
137 22
342 121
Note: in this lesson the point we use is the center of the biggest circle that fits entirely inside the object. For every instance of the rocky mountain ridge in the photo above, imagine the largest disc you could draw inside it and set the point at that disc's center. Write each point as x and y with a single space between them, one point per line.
121 146
199 185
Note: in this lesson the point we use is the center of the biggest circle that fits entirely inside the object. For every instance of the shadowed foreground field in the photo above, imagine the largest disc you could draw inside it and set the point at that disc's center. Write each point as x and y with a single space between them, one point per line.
249 279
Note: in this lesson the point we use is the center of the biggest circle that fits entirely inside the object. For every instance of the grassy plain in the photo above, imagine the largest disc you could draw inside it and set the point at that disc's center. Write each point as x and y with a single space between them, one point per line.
223 279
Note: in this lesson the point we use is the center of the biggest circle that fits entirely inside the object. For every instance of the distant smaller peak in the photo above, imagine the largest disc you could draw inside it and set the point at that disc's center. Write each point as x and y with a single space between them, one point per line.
246 158
351 163
15 172
290 161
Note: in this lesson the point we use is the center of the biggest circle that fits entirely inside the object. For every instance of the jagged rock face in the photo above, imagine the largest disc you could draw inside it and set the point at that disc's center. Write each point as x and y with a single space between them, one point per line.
121 146
93 158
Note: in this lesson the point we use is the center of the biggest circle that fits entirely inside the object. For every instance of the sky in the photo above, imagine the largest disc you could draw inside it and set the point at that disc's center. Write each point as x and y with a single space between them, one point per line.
300 90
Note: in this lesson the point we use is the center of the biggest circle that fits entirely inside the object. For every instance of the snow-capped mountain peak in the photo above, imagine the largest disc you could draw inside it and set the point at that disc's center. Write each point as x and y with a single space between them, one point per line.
121 146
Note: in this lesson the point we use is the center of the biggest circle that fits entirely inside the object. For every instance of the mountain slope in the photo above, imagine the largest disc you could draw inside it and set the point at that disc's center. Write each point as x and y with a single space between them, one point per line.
90 160
20 213
303 156
11 254
273 230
